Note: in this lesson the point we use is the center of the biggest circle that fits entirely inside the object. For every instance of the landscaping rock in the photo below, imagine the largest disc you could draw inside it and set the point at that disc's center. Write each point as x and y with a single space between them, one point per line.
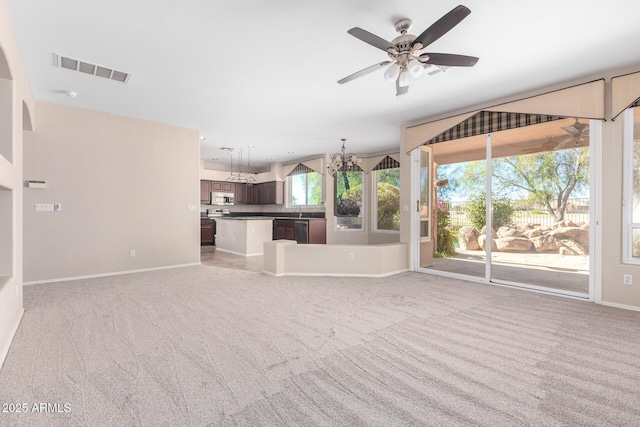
566 251
482 241
582 239
564 223
568 232
508 232
575 247
468 238
493 232
533 233
545 243
513 244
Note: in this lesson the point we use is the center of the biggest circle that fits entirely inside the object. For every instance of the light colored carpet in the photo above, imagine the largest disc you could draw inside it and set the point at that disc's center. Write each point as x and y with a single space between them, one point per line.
214 346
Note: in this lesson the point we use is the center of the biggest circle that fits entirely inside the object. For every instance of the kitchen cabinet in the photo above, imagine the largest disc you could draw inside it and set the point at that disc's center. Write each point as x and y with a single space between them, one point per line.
207 231
270 193
283 229
205 190
302 230
244 194
223 186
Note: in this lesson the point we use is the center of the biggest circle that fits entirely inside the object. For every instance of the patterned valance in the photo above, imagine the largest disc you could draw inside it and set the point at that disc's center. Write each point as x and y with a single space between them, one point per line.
584 100
485 122
300 169
387 163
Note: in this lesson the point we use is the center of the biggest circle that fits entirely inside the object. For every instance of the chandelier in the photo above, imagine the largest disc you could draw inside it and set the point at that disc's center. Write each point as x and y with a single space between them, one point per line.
343 162
240 176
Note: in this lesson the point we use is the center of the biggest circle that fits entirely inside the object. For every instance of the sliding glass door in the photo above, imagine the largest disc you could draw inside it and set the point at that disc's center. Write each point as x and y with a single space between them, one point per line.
522 218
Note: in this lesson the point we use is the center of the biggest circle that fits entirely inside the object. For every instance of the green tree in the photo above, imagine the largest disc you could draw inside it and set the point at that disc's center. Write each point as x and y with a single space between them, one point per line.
348 193
549 177
314 186
476 210
388 206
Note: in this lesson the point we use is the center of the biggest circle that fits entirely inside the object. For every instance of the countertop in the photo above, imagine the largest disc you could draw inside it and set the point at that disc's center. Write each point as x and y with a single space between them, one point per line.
246 218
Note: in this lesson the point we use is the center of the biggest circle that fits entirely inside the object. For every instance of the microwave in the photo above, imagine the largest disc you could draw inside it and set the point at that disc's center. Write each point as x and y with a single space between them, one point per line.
222 199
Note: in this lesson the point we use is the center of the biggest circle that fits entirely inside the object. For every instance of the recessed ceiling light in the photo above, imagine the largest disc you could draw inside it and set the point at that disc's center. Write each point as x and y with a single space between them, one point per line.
268 158
203 138
71 93
252 146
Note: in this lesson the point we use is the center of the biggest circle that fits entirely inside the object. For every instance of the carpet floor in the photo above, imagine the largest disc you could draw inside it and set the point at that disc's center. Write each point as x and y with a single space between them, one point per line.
215 346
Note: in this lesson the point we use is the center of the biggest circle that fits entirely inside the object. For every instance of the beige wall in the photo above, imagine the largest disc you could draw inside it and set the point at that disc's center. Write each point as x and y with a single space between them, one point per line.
613 291
285 257
14 93
124 184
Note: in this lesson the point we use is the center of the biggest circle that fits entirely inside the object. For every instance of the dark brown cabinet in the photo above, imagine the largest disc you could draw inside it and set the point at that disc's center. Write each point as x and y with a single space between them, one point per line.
223 186
205 191
264 193
312 231
207 231
270 193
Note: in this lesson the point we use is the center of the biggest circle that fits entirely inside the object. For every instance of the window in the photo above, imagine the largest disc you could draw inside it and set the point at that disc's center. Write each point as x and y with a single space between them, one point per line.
631 235
306 189
387 199
348 201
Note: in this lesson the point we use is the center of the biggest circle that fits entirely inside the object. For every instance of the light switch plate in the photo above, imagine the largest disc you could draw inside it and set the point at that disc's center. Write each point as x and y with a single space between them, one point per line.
44 207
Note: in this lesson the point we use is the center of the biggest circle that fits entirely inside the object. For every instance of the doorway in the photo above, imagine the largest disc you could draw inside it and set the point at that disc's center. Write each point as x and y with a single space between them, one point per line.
532 184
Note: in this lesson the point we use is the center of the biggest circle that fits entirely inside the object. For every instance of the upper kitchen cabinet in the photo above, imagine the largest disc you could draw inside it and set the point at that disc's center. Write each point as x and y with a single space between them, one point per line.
244 194
271 193
205 191
223 186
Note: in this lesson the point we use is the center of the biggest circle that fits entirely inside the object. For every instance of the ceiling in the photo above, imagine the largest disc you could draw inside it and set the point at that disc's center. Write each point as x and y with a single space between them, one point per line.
264 73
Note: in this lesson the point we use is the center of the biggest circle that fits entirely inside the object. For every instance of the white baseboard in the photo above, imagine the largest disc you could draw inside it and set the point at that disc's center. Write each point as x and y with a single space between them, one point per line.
116 273
622 306
390 273
238 253
5 349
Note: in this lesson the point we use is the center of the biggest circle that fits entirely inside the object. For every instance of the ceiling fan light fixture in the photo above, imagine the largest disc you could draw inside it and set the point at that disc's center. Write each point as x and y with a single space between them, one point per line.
392 72
404 79
415 68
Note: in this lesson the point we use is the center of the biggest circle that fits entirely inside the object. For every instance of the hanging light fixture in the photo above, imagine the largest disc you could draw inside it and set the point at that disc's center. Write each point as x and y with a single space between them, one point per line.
343 162
240 176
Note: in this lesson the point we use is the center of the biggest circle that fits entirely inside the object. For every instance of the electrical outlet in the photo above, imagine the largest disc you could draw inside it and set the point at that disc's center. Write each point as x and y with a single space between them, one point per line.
191 208
351 256
627 279
132 253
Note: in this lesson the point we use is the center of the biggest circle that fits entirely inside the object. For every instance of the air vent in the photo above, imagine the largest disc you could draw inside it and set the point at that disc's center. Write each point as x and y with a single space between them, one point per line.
93 69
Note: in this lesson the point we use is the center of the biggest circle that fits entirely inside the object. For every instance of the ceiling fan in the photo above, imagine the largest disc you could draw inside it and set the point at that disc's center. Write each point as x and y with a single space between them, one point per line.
407 61
579 133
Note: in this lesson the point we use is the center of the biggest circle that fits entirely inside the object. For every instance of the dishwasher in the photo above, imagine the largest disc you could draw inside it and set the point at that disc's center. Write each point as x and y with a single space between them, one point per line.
301 231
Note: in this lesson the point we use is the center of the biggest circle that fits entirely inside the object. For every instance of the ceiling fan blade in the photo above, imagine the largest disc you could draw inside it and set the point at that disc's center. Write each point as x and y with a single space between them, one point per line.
400 90
449 59
371 39
442 26
364 72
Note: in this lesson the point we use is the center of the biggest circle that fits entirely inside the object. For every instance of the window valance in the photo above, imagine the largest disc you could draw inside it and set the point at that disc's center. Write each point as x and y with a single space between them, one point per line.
585 100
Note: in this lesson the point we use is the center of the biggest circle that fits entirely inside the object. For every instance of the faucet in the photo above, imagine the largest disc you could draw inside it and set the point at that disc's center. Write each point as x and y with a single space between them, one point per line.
299 212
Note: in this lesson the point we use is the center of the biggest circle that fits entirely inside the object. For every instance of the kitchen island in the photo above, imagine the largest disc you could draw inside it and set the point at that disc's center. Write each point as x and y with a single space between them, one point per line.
243 235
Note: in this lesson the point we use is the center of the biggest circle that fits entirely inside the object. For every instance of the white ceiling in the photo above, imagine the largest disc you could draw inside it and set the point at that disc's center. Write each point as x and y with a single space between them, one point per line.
264 72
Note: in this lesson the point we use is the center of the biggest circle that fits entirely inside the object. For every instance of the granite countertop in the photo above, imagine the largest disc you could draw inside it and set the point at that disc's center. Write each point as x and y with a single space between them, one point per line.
246 218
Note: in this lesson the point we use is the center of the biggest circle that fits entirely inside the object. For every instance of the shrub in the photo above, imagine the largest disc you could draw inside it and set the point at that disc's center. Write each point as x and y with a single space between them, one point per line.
350 202
445 237
388 206
476 211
